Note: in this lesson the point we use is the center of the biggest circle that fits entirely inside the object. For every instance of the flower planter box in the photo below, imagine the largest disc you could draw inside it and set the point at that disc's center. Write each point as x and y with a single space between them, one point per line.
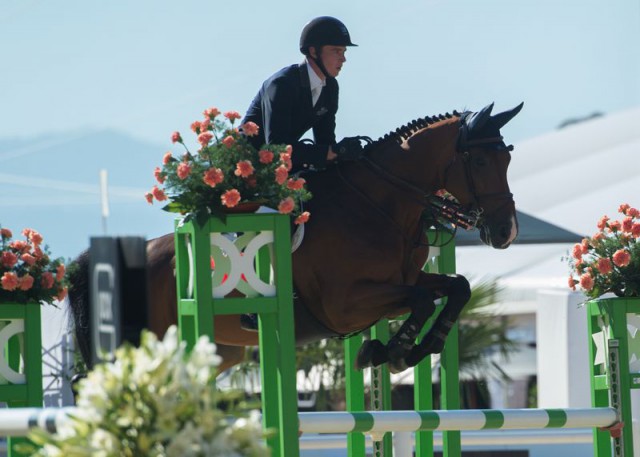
20 359
21 355
614 334
252 255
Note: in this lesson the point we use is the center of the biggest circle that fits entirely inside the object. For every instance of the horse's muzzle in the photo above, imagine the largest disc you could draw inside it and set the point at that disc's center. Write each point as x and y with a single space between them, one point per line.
500 235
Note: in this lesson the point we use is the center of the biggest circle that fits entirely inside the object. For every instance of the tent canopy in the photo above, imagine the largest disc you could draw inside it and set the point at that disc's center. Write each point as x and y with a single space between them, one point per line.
531 231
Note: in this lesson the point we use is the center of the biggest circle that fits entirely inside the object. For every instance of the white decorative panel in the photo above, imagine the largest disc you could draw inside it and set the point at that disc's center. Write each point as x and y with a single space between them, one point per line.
9 329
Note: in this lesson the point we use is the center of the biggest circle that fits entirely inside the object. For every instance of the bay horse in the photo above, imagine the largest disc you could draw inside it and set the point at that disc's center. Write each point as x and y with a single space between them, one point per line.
365 244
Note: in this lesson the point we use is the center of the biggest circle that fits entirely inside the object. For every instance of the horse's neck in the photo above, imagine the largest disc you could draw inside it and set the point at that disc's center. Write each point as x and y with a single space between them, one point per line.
423 158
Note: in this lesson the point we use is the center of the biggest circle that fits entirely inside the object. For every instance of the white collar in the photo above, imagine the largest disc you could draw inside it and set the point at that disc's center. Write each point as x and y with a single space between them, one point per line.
314 79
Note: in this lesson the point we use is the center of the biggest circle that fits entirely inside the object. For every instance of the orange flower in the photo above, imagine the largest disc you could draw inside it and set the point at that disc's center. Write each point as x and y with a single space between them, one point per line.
204 138
296 184
572 283
25 282
285 158
158 174
602 223
586 281
21 246
9 281
183 170
28 259
577 251
623 208
211 112
149 197
176 138
230 198
232 115
213 177
621 258
244 168
286 206
158 193
195 127
8 259
303 218
166 158
604 266
229 141
281 174
5 233
250 128
266 157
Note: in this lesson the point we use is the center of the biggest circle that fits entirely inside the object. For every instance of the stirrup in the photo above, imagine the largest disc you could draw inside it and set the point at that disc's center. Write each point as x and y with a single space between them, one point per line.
249 322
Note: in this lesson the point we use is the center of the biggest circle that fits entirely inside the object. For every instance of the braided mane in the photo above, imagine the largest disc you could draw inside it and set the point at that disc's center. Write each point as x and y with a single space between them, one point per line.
403 133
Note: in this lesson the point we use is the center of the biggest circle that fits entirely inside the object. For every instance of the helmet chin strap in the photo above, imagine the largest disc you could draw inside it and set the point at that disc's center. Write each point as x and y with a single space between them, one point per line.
319 63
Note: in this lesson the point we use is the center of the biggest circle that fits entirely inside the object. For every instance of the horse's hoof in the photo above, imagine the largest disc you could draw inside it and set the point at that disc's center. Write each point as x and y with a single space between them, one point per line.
372 353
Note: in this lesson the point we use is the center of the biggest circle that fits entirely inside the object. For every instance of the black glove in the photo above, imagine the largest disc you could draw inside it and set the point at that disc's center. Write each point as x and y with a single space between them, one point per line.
348 149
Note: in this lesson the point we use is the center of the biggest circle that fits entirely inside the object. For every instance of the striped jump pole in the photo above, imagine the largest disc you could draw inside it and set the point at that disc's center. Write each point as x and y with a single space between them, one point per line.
380 422
18 421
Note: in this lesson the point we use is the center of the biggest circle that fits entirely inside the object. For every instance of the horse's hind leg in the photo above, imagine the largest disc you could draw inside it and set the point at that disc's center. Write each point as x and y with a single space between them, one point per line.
458 294
374 352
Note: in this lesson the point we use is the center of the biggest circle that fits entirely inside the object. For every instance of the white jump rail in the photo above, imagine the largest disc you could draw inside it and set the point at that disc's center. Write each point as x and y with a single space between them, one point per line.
18 421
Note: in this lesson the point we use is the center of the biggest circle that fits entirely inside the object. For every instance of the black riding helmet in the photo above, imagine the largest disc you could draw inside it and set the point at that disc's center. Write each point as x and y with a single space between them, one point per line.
323 31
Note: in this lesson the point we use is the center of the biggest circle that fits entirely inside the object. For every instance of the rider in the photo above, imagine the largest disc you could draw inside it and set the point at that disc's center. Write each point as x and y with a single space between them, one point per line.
305 96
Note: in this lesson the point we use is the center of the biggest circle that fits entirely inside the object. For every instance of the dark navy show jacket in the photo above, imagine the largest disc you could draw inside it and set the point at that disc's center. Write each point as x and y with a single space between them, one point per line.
282 109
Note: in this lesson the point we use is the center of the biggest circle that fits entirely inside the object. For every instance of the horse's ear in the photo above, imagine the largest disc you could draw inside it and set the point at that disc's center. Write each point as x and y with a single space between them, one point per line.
478 120
500 120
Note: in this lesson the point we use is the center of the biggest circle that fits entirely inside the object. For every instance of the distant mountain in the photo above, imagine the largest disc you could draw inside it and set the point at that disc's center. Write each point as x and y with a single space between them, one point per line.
51 183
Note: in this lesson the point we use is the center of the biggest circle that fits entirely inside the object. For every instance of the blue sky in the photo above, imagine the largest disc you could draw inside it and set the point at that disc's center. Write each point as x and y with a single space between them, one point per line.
146 68
150 67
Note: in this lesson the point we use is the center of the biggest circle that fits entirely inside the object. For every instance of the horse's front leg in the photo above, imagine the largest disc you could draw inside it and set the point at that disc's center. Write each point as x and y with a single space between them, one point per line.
420 301
458 293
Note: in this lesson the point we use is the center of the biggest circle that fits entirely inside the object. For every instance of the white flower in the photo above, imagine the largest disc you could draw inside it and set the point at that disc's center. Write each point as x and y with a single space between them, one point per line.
155 400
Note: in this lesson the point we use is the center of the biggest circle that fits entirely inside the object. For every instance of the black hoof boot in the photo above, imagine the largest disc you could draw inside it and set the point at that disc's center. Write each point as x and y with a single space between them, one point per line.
371 354
249 322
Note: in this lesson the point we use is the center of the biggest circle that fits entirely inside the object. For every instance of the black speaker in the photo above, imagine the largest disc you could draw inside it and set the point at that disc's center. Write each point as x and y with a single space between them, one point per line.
117 293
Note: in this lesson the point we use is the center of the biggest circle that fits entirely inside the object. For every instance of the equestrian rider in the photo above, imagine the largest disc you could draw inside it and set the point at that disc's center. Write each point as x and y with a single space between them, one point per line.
305 96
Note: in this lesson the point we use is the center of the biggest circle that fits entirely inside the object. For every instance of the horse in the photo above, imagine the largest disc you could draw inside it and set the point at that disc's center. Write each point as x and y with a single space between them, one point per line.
365 245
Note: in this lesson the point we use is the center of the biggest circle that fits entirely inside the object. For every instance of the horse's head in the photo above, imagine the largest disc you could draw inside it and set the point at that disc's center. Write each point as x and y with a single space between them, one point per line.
477 177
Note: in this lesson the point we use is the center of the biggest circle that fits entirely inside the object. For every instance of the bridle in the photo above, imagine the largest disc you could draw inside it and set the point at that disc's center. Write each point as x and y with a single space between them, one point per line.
449 209
463 146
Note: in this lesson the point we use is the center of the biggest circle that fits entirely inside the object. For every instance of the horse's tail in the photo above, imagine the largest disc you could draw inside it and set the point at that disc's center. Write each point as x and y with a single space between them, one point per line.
79 304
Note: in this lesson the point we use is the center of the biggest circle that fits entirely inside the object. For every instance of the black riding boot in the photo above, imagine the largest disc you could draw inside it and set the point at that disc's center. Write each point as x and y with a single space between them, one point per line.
249 322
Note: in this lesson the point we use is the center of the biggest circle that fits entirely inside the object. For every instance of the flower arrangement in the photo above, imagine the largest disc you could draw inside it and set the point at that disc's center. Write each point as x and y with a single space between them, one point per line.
27 272
155 400
227 173
609 261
